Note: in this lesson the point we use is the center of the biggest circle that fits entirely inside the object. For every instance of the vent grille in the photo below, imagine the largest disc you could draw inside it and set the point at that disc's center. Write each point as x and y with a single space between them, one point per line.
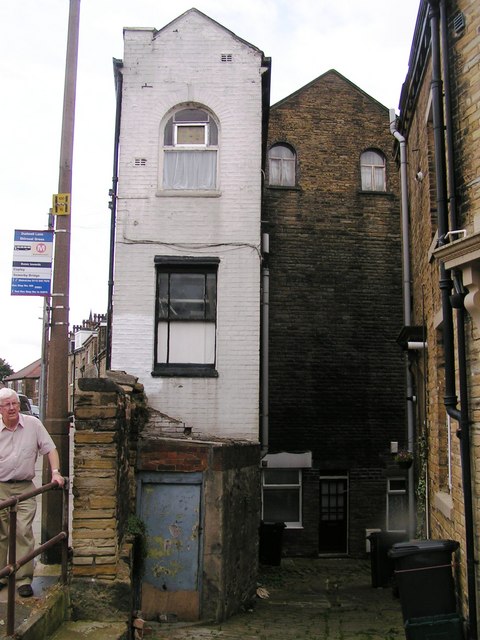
458 23
226 57
140 162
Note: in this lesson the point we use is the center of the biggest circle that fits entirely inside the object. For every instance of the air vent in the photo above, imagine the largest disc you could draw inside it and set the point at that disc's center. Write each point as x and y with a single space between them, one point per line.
458 23
140 162
227 57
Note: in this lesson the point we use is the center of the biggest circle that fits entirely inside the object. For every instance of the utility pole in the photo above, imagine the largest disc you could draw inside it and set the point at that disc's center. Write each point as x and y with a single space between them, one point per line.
56 415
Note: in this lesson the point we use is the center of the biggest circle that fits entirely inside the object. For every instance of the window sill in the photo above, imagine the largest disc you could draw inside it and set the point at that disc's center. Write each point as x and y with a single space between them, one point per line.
188 193
283 187
375 193
184 371
443 502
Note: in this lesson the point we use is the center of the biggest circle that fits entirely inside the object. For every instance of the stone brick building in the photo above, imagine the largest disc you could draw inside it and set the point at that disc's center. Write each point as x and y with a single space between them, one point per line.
87 353
438 127
336 382
26 381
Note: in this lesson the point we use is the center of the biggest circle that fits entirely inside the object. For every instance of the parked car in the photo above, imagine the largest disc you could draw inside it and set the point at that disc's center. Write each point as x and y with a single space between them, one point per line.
35 410
25 406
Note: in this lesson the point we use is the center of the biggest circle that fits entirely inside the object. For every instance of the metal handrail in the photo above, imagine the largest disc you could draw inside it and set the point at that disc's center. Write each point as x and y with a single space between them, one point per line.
13 564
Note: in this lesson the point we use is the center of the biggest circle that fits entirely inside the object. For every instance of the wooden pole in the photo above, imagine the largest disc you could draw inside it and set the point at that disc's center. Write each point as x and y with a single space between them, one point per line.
56 416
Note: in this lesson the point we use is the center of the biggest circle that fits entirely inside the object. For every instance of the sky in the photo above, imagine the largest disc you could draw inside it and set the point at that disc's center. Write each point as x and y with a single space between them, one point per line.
368 42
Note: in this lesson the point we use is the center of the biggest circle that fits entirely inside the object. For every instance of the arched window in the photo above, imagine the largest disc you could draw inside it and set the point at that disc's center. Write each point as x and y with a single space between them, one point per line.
281 166
372 166
190 151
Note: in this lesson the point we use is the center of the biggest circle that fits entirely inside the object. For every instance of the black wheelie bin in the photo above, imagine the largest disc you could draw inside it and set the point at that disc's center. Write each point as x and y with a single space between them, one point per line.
424 577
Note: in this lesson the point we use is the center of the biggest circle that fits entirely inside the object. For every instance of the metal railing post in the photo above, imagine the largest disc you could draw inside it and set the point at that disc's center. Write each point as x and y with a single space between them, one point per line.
13 564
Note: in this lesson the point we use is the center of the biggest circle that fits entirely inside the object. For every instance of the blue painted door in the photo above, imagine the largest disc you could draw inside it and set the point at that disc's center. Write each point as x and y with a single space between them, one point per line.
170 509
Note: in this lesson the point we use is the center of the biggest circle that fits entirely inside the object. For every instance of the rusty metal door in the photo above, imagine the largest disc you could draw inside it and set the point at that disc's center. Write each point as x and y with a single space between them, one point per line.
170 508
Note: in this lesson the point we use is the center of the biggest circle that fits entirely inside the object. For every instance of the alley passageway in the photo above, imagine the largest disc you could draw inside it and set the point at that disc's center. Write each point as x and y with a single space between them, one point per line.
314 599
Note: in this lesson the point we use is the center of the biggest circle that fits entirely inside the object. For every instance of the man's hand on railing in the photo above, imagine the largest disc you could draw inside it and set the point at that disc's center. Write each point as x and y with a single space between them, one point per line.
57 477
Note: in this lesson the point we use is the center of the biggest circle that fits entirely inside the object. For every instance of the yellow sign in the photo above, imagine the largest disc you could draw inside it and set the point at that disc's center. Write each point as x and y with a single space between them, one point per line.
61 204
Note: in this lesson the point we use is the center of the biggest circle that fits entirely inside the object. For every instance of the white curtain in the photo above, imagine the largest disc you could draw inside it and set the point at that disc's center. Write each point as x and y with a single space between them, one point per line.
282 166
188 342
189 169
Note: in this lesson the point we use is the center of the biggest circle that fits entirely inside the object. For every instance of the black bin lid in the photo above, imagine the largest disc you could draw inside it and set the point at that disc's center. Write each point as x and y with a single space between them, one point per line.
412 547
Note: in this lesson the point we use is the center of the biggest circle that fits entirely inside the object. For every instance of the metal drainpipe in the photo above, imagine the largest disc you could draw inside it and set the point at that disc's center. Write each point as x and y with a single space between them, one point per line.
113 208
407 313
264 345
465 454
461 416
446 283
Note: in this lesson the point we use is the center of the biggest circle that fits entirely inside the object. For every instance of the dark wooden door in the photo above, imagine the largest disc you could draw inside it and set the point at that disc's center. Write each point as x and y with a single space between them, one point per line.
333 527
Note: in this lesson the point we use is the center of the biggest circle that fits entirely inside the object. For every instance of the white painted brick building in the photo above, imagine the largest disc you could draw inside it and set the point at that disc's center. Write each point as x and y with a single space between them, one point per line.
186 302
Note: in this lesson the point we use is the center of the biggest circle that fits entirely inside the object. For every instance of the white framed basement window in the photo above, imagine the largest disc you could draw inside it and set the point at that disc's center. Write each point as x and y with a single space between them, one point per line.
282 496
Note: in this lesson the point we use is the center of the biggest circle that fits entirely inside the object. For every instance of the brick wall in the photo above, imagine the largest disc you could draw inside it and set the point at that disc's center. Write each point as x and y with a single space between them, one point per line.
336 371
182 65
446 499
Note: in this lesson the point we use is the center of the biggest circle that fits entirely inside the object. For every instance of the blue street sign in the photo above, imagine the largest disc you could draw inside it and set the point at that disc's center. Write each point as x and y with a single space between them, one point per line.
32 263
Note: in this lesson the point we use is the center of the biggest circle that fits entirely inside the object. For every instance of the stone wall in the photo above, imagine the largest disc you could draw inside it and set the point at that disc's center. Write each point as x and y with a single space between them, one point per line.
445 483
103 490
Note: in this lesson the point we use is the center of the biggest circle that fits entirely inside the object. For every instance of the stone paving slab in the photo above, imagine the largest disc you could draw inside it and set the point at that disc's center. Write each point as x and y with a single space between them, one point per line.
87 630
314 599
44 578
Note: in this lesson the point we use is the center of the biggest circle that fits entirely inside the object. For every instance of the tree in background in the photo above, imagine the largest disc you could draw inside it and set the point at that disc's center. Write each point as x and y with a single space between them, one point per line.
5 369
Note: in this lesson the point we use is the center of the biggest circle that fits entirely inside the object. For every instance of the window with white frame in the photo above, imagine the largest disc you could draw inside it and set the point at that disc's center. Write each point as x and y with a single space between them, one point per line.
372 167
397 508
186 310
281 166
190 147
282 496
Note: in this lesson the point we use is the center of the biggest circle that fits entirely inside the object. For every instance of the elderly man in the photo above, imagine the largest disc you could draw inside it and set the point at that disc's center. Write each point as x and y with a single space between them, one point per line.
22 438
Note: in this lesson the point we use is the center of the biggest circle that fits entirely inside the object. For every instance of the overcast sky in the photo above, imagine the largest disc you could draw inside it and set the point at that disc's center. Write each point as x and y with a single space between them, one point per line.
368 42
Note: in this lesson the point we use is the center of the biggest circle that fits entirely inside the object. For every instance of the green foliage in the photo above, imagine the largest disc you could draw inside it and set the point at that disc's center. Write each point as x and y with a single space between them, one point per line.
136 528
421 488
403 456
5 369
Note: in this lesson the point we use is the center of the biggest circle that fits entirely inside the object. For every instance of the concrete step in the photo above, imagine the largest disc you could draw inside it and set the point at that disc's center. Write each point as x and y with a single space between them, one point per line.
90 630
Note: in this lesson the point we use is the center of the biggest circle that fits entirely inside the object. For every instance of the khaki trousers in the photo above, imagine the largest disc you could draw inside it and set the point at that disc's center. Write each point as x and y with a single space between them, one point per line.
25 515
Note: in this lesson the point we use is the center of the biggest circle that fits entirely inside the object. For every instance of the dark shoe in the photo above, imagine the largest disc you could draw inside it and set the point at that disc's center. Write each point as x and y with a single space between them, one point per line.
25 591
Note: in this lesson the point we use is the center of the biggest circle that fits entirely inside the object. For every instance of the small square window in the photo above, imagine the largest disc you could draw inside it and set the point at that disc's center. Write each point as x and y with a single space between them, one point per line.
190 134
